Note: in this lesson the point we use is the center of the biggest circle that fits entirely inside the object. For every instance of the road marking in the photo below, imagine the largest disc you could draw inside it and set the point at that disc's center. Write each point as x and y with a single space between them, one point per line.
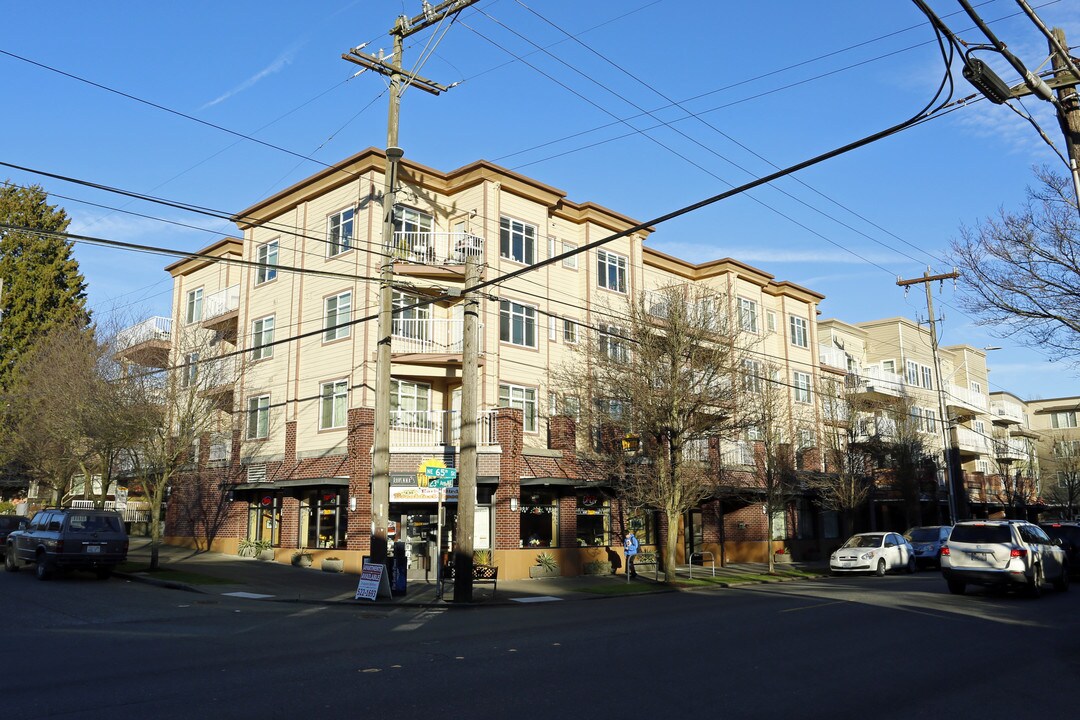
247 595
419 621
307 611
811 607
536 599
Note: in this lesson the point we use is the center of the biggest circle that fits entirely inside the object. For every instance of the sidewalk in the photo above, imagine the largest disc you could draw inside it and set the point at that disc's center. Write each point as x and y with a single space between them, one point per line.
219 574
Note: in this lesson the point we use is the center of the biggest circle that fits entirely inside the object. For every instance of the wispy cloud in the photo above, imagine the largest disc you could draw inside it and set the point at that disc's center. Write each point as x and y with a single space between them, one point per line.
279 62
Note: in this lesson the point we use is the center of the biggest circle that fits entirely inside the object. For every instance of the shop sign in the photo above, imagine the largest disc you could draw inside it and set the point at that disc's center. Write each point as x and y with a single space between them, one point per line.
402 479
422 494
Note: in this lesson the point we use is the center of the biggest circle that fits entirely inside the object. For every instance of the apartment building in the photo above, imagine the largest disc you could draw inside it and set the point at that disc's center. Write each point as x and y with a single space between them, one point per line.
283 315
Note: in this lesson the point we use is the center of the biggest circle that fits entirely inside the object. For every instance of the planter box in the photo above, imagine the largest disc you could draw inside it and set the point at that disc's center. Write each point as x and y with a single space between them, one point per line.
333 566
301 560
781 558
539 571
266 555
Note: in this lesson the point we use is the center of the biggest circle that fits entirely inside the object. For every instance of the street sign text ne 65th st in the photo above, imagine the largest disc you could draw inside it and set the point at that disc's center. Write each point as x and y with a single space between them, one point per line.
441 473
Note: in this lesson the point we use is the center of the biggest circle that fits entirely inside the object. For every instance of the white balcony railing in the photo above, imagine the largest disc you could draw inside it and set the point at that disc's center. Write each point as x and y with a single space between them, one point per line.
434 428
833 357
736 454
1007 411
656 303
1010 450
221 302
155 328
437 248
441 335
965 399
971 441
873 379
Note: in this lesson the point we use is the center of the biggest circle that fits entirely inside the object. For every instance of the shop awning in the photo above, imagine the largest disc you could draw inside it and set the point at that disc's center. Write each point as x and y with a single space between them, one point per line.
567 482
282 484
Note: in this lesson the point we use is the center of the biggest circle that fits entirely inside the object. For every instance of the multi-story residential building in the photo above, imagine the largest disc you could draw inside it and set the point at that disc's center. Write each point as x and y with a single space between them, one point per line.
294 325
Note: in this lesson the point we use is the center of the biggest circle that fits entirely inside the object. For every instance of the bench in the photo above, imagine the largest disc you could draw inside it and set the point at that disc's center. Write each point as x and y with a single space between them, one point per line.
481 575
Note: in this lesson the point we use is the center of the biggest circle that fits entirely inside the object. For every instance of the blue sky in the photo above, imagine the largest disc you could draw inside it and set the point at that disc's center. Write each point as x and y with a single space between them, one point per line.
654 105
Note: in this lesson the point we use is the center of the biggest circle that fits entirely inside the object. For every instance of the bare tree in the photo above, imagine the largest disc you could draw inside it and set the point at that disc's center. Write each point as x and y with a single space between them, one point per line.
1020 271
1064 467
664 378
913 470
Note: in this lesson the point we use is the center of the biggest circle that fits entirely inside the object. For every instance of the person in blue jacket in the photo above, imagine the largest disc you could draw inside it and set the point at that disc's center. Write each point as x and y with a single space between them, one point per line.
630 546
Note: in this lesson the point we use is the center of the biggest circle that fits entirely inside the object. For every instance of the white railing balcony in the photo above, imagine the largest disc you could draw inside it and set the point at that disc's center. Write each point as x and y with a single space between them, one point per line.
875 428
971 441
221 302
442 335
1007 412
435 428
833 357
437 248
656 303
965 399
155 328
872 379
1010 450
696 450
217 373
733 454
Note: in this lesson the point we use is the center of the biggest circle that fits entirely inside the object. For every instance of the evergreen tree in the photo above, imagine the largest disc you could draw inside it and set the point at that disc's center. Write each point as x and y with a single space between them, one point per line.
43 288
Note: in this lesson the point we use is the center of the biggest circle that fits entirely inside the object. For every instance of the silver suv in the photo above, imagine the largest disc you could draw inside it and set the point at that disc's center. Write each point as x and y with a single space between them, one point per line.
66 538
1003 553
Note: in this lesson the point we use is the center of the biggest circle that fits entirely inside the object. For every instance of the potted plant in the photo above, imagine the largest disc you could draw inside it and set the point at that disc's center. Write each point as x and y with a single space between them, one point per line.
333 564
783 555
261 549
481 557
545 566
302 558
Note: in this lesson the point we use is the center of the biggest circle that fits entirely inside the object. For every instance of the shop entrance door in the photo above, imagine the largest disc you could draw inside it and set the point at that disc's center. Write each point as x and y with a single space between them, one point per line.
417 528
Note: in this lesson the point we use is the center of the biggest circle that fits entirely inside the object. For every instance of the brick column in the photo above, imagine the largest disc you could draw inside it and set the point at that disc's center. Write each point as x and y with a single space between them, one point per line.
562 433
567 521
509 433
361 439
290 448
290 522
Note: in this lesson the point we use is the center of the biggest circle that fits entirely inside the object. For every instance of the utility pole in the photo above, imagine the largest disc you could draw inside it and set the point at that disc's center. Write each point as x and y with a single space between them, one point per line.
380 466
463 548
1068 104
952 474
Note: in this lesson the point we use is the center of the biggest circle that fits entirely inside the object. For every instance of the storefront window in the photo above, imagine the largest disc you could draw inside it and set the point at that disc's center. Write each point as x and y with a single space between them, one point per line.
539 519
264 519
593 519
323 518
642 525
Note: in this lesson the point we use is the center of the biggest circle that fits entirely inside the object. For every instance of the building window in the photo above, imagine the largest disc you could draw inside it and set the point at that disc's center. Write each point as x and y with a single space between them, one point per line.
799 337
266 255
613 343
927 378
911 370
333 404
517 241
264 519
410 322
522 398
931 420
190 370
748 315
571 406
770 321
888 366
569 331
569 262
976 387
262 338
1065 419
802 386
982 466
752 376
517 324
337 311
258 420
553 328
339 232
413 234
593 519
409 404
194 306
539 518
611 271
323 518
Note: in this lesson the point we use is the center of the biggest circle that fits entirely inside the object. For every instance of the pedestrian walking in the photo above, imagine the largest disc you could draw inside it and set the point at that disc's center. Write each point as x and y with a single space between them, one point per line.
630 547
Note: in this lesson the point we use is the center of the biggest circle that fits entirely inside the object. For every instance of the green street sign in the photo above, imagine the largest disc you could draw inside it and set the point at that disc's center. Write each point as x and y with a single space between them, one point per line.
441 473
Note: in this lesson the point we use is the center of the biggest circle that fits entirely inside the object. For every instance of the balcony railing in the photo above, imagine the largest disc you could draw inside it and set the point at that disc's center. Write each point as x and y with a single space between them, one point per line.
1007 412
833 357
221 302
437 248
656 303
442 335
965 399
435 428
155 328
1010 450
971 441
734 454
873 379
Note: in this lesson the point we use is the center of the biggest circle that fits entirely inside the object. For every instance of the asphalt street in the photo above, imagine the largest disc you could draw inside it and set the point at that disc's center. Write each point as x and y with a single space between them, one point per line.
861 647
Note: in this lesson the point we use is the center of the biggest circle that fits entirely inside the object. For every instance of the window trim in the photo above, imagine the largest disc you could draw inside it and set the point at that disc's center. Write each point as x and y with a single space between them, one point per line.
526 418
525 240
748 310
800 389
524 327
254 409
333 397
193 310
267 271
622 271
331 334
347 245
262 349
794 322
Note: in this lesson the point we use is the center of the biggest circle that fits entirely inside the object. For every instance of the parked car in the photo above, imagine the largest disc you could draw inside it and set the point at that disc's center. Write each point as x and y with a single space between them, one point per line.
8 523
66 538
877 552
1069 535
1003 553
927 541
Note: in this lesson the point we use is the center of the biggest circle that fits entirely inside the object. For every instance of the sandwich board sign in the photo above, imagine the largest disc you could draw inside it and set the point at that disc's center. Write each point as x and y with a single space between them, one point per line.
373 582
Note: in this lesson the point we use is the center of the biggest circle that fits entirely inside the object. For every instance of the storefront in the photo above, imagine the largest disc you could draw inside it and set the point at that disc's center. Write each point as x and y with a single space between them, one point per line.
297 513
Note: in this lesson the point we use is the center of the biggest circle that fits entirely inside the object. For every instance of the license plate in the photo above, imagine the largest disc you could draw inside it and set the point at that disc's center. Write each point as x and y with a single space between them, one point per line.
93 548
977 555
845 563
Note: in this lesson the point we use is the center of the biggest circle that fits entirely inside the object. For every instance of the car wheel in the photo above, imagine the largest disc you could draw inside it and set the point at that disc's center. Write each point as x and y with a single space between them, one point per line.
1062 583
880 572
1034 587
44 572
10 563
911 565
104 573
956 587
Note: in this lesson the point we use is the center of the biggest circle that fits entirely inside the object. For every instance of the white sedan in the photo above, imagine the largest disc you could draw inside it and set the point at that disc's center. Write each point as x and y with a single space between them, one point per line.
877 552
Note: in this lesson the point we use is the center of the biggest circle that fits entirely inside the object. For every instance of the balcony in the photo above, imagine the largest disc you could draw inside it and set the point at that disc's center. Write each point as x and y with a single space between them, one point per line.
832 357
438 428
437 248
1007 451
736 454
221 309
441 336
1006 413
147 343
964 401
656 303
969 442
875 381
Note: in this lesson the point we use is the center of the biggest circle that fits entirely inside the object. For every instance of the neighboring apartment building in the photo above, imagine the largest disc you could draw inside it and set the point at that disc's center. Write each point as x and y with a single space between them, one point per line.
292 466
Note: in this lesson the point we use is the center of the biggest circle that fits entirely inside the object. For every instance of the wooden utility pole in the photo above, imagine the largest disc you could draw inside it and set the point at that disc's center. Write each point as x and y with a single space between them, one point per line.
470 379
1068 105
952 471
392 68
